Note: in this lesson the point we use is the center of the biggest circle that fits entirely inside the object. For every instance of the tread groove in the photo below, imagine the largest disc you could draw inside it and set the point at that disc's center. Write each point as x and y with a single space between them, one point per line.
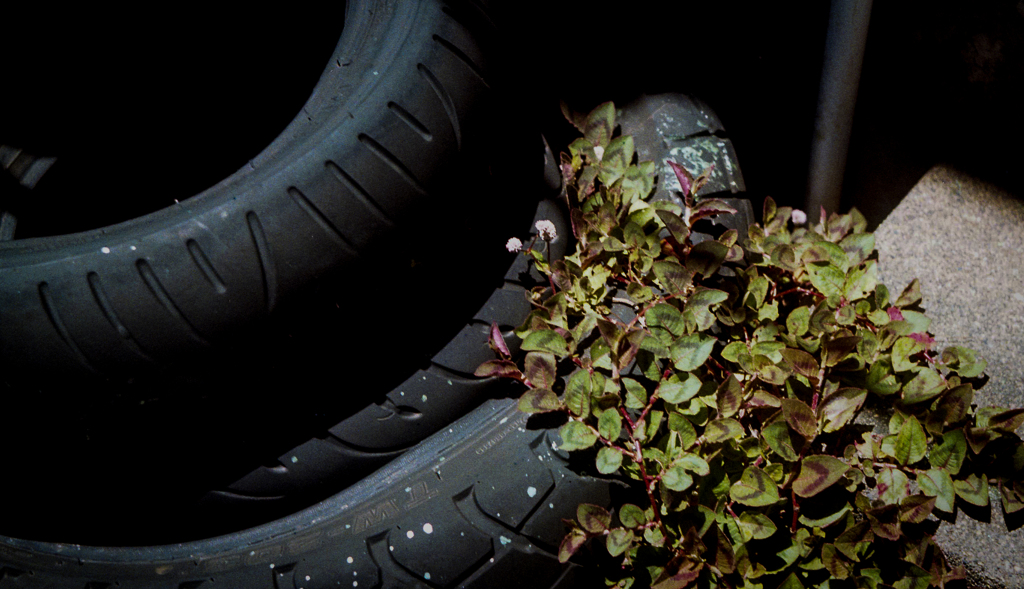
160 293
461 56
8 223
359 192
58 325
446 101
103 301
259 241
203 263
410 120
314 213
392 162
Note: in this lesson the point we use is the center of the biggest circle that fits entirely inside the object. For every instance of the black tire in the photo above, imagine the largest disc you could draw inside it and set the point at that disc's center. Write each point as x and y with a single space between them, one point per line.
492 486
393 130
179 333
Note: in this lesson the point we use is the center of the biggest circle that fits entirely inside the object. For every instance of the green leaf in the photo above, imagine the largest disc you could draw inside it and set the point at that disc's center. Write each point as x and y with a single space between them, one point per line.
694 464
676 478
911 442
706 257
963 361
697 309
916 508
936 483
691 351
910 295
839 348
539 401
609 425
755 488
850 542
800 417
570 544
675 225
880 378
619 541
756 526
734 350
858 247
791 582
576 436
540 369
818 473
674 391
893 486
973 489
758 289
901 352
729 397
1013 496
949 453
631 516
1003 420
828 279
802 362
927 385
671 276
608 459
721 430
578 393
778 438
839 408
593 518
636 394
499 368
667 317
811 520
798 321
682 426
545 340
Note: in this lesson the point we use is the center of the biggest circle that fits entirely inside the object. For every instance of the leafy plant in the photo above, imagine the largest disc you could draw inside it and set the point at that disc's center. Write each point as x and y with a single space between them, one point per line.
726 380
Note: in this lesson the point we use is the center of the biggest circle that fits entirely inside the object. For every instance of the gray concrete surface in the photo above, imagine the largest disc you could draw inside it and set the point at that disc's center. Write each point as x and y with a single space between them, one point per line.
964 240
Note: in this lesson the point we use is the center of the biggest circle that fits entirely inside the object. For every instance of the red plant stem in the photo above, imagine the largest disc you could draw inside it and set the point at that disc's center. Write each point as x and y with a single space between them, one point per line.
813 293
796 510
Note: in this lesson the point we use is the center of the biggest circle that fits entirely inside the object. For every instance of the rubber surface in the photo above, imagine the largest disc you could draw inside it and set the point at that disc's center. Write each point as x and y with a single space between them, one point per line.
390 133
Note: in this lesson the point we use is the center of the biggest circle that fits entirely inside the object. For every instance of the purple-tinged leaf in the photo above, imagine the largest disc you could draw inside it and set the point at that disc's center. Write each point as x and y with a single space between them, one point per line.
540 369
578 393
818 473
599 124
631 516
497 341
684 177
709 208
672 276
885 521
499 368
725 555
755 488
835 563
911 442
686 575
916 508
895 314
840 407
925 339
539 401
570 544
1003 420
800 417
973 489
706 257
593 518
963 361
936 483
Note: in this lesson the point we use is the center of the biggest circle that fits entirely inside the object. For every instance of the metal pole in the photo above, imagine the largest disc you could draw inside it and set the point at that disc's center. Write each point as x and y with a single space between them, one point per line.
837 95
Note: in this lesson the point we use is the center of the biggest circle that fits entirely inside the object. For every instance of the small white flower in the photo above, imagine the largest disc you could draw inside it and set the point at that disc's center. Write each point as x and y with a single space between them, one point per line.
799 217
599 152
546 229
513 244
